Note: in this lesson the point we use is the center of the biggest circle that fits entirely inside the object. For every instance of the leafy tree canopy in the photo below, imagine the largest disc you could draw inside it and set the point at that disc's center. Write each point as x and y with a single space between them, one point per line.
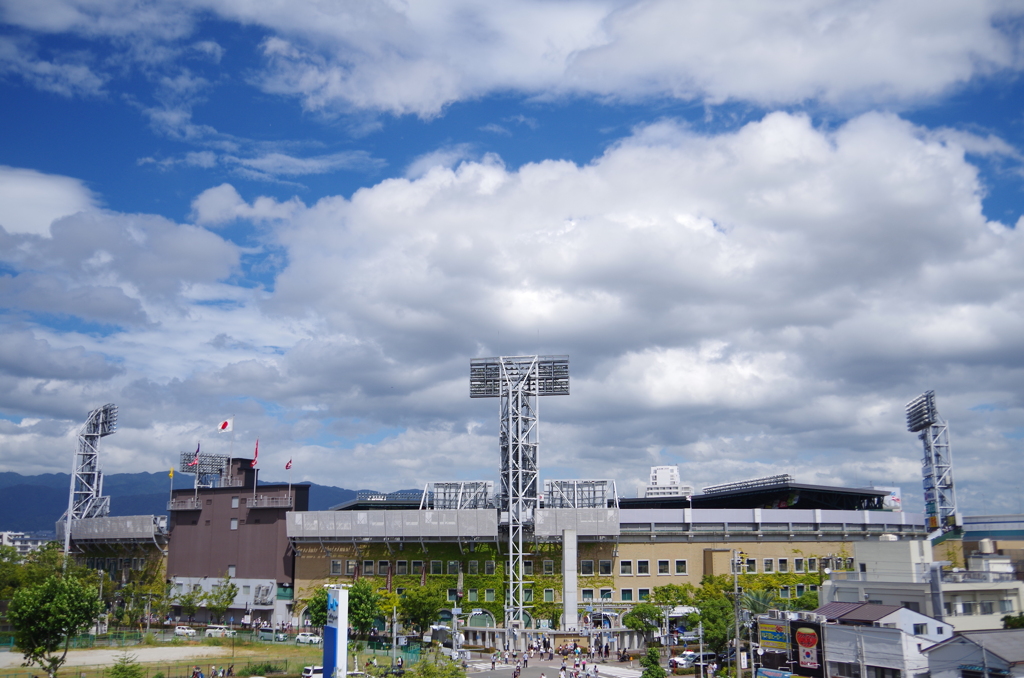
643 618
1014 621
46 616
715 611
220 598
127 666
652 664
421 606
437 665
363 606
316 605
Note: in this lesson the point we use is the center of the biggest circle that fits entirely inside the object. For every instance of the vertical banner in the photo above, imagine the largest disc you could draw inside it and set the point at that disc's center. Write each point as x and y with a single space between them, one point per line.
773 634
336 634
808 646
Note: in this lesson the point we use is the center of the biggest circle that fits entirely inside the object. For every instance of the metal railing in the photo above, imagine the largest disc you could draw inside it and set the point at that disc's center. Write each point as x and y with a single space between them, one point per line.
977 577
189 504
261 501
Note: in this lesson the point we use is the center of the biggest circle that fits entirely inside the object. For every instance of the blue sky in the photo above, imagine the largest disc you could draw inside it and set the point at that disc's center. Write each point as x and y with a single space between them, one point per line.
758 231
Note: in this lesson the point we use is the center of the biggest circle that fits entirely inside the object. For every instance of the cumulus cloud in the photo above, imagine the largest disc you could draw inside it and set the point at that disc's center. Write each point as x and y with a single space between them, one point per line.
30 201
759 300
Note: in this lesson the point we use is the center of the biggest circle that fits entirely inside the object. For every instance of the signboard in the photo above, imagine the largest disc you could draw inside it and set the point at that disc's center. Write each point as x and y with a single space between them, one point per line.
772 673
774 635
894 502
336 634
807 647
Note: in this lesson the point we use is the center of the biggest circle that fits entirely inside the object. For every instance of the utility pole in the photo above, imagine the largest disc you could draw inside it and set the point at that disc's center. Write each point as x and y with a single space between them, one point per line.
394 634
736 607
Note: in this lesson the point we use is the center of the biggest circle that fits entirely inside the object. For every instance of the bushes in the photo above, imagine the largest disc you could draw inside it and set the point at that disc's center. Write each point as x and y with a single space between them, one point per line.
261 669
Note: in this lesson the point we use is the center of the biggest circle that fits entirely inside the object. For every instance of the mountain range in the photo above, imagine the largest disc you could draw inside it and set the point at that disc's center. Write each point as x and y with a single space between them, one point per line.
34 503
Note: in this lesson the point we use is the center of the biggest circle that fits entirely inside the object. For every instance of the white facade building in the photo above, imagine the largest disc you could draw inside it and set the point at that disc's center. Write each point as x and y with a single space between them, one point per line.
21 541
665 483
901 573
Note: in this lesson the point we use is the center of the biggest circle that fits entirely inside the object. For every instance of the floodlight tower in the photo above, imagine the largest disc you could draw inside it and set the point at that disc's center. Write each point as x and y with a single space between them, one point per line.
937 465
517 381
86 498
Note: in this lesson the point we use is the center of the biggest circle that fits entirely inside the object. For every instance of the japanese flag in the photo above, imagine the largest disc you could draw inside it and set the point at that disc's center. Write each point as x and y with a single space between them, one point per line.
226 425
288 466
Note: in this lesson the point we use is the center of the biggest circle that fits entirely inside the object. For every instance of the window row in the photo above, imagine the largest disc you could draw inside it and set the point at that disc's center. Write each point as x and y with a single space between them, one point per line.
643 567
368 568
969 607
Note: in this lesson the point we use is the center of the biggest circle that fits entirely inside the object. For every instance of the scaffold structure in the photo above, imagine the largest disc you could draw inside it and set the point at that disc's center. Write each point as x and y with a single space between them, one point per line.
518 382
86 498
937 465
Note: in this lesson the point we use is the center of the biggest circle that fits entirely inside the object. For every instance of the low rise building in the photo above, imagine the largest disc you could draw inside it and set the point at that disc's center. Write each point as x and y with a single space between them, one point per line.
978 654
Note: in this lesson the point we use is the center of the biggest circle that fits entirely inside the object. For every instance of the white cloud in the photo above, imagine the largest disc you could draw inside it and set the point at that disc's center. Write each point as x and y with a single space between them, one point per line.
30 201
761 300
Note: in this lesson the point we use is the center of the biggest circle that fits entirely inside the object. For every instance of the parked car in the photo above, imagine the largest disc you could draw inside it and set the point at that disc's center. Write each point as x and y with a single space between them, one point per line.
308 638
272 635
218 631
313 671
703 659
186 631
727 657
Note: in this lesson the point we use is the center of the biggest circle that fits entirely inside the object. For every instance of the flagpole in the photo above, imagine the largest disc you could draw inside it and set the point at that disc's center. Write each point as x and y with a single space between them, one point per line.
255 482
195 483
231 450
170 494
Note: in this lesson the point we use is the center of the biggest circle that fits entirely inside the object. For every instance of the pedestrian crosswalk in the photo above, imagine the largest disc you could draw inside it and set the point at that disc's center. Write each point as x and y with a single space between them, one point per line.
613 671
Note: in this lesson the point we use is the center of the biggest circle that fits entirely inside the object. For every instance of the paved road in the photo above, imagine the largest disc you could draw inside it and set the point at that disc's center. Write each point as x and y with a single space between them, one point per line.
550 669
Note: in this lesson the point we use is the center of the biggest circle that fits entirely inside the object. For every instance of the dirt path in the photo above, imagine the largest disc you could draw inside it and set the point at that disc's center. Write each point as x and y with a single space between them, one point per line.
144 655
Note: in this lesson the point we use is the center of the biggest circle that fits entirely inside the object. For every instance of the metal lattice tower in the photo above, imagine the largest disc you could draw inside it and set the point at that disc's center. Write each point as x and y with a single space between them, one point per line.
86 498
937 464
517 381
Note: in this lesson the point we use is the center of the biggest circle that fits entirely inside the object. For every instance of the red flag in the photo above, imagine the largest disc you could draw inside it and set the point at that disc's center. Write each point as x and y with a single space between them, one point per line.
256 454
288 466
195 462
226 425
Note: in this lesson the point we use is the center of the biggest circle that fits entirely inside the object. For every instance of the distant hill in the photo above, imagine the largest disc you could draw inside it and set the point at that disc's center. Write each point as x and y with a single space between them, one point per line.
34 503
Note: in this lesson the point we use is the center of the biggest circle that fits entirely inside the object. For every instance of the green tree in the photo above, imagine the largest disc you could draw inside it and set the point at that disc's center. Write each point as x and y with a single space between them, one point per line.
126 666
436 665
1014 621
220 598
758 602
673 595
421 606
316 605
643 618
189 601
651 661
363 606
10 571
46 616
714 611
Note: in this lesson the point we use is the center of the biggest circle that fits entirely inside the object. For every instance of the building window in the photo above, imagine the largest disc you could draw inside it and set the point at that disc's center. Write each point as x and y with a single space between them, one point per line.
626 595
528 567
988 607
507 568
588 594
549 567
400 592
662 567
643 567
453 567
549 595
812 564
751 566
489 567
473 596
336 566
844 670
1006 606
920 629
586 567
527 595
234 502
783 564
401 567
436 567
680 567
246 590
911 605
968 607
231 573
604 568
234 523
769 565
606 594
799 590
417 567
453 595
382 567
209 502
350 568
798 564
489 595
644 594
367 568
784 592
474 567
626 568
